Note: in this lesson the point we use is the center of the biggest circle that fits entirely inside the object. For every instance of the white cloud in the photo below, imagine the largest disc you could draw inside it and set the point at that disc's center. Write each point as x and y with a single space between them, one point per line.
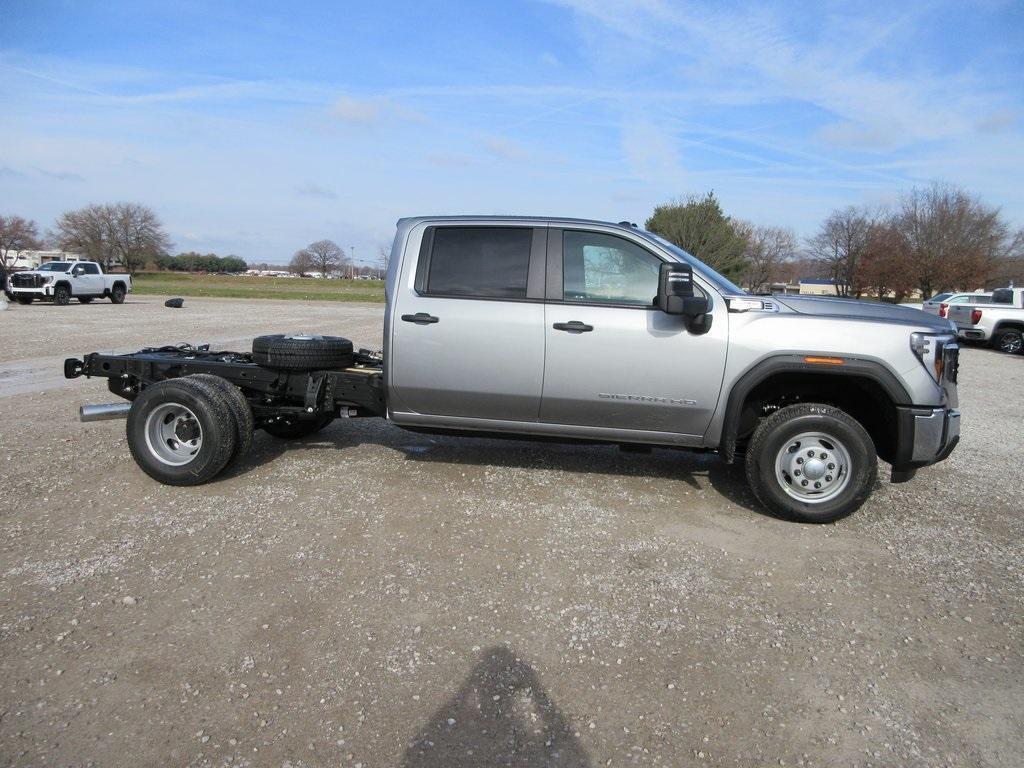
505 149
311 189
651 153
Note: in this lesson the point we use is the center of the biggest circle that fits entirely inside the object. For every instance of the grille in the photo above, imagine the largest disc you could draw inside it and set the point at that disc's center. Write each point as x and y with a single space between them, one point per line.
26 281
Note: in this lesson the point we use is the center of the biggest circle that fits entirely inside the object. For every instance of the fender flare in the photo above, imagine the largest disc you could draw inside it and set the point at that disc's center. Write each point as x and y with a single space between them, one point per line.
764 369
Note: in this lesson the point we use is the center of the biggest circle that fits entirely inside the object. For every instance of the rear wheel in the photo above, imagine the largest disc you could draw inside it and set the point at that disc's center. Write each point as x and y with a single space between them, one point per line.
812 463
302 352
117 294
1010 341
241 411
289 428
181 432
62 295
84 299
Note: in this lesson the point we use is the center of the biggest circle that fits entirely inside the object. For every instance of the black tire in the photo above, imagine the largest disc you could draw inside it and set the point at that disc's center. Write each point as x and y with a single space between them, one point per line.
301 352
62 295
240 409
117 294
770 440
85 299
211 414
1010 341
288 428
26 300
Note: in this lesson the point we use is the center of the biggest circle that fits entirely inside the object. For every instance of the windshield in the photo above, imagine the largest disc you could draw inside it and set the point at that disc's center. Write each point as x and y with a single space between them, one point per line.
940 297
723 284
55 266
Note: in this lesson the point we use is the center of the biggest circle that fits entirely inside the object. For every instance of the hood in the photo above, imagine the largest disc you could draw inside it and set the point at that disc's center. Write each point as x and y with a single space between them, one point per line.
877 311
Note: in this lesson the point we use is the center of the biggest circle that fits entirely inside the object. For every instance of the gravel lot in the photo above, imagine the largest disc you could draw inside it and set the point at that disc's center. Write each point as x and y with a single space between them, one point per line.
380 598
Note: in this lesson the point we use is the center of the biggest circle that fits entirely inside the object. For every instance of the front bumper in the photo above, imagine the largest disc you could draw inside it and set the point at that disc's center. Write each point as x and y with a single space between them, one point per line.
925 436
46 290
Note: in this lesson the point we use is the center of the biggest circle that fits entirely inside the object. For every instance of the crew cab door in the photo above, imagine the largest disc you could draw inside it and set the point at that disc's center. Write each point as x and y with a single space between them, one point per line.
86 280
467 325
613 360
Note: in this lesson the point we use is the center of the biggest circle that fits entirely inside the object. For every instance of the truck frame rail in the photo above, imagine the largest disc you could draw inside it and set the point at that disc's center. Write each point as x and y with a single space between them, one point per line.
354 391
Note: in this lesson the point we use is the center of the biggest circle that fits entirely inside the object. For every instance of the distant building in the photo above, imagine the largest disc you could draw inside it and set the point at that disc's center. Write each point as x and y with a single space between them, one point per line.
816 286
33 259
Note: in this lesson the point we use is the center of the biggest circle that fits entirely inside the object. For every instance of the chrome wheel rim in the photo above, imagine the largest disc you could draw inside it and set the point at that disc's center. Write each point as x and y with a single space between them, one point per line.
813 467
1010 343
173 434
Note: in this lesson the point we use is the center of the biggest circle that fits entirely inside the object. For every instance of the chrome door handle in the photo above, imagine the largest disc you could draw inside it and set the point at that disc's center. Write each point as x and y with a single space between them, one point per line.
573 326
420 318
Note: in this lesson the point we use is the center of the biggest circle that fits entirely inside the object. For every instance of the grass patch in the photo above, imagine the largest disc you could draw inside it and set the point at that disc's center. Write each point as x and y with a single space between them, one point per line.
245 287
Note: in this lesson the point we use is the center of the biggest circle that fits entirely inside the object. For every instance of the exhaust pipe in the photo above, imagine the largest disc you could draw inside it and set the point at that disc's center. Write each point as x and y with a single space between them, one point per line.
105 412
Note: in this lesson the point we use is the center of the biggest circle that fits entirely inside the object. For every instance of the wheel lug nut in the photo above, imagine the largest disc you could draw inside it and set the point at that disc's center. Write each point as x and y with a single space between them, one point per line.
823 456
831 466
817 485
799 461
803 482
828 478
810 454
796 471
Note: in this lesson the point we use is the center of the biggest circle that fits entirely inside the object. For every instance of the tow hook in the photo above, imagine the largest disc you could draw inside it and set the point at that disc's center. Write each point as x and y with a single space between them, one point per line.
73 368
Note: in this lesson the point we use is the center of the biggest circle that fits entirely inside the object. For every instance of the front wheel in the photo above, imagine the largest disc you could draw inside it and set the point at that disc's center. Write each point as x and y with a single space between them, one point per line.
811 463
1010 341
117 294
62 295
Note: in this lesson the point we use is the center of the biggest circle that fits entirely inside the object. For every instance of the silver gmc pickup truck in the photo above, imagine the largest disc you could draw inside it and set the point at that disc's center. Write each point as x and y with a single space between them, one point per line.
575 330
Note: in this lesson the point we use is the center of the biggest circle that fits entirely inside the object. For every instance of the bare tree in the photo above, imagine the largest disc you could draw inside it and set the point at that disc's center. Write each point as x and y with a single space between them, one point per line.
887 266
767 252
301 263
839 246
383 258
325 256
126 233
17 234
956 241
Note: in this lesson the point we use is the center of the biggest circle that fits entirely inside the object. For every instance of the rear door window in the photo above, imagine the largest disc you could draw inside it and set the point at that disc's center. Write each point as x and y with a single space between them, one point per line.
484 262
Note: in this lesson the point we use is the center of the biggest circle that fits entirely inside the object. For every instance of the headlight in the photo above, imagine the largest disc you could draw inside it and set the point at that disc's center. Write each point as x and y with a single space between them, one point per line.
48 280
930 349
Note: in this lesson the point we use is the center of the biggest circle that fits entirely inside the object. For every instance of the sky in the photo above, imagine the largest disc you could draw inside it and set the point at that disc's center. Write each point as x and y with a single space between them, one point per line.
256 128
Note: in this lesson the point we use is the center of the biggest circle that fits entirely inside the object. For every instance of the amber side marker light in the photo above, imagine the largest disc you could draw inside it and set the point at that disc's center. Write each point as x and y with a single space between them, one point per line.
824 360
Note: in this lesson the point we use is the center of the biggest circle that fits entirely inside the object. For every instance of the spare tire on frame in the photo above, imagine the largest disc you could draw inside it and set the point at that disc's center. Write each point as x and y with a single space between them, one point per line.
302 352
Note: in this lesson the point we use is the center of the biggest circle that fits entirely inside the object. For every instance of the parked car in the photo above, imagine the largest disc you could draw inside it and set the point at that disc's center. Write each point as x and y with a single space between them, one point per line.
61 281
940 303
575 330
999 323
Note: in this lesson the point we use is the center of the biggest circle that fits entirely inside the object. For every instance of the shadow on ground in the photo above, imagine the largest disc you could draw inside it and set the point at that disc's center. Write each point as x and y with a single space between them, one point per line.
500 716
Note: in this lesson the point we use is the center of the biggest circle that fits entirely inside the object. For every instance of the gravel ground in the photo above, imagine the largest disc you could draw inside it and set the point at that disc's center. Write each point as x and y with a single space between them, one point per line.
372 597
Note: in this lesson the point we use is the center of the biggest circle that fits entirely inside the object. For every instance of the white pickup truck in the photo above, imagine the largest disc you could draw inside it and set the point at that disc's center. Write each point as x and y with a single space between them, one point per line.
61 281
999 322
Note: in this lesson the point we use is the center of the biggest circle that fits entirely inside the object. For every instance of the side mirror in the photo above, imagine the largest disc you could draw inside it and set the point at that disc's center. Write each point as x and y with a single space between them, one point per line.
675 292
78 271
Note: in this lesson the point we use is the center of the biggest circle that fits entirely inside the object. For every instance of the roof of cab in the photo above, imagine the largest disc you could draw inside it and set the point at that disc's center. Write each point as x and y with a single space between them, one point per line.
410 220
